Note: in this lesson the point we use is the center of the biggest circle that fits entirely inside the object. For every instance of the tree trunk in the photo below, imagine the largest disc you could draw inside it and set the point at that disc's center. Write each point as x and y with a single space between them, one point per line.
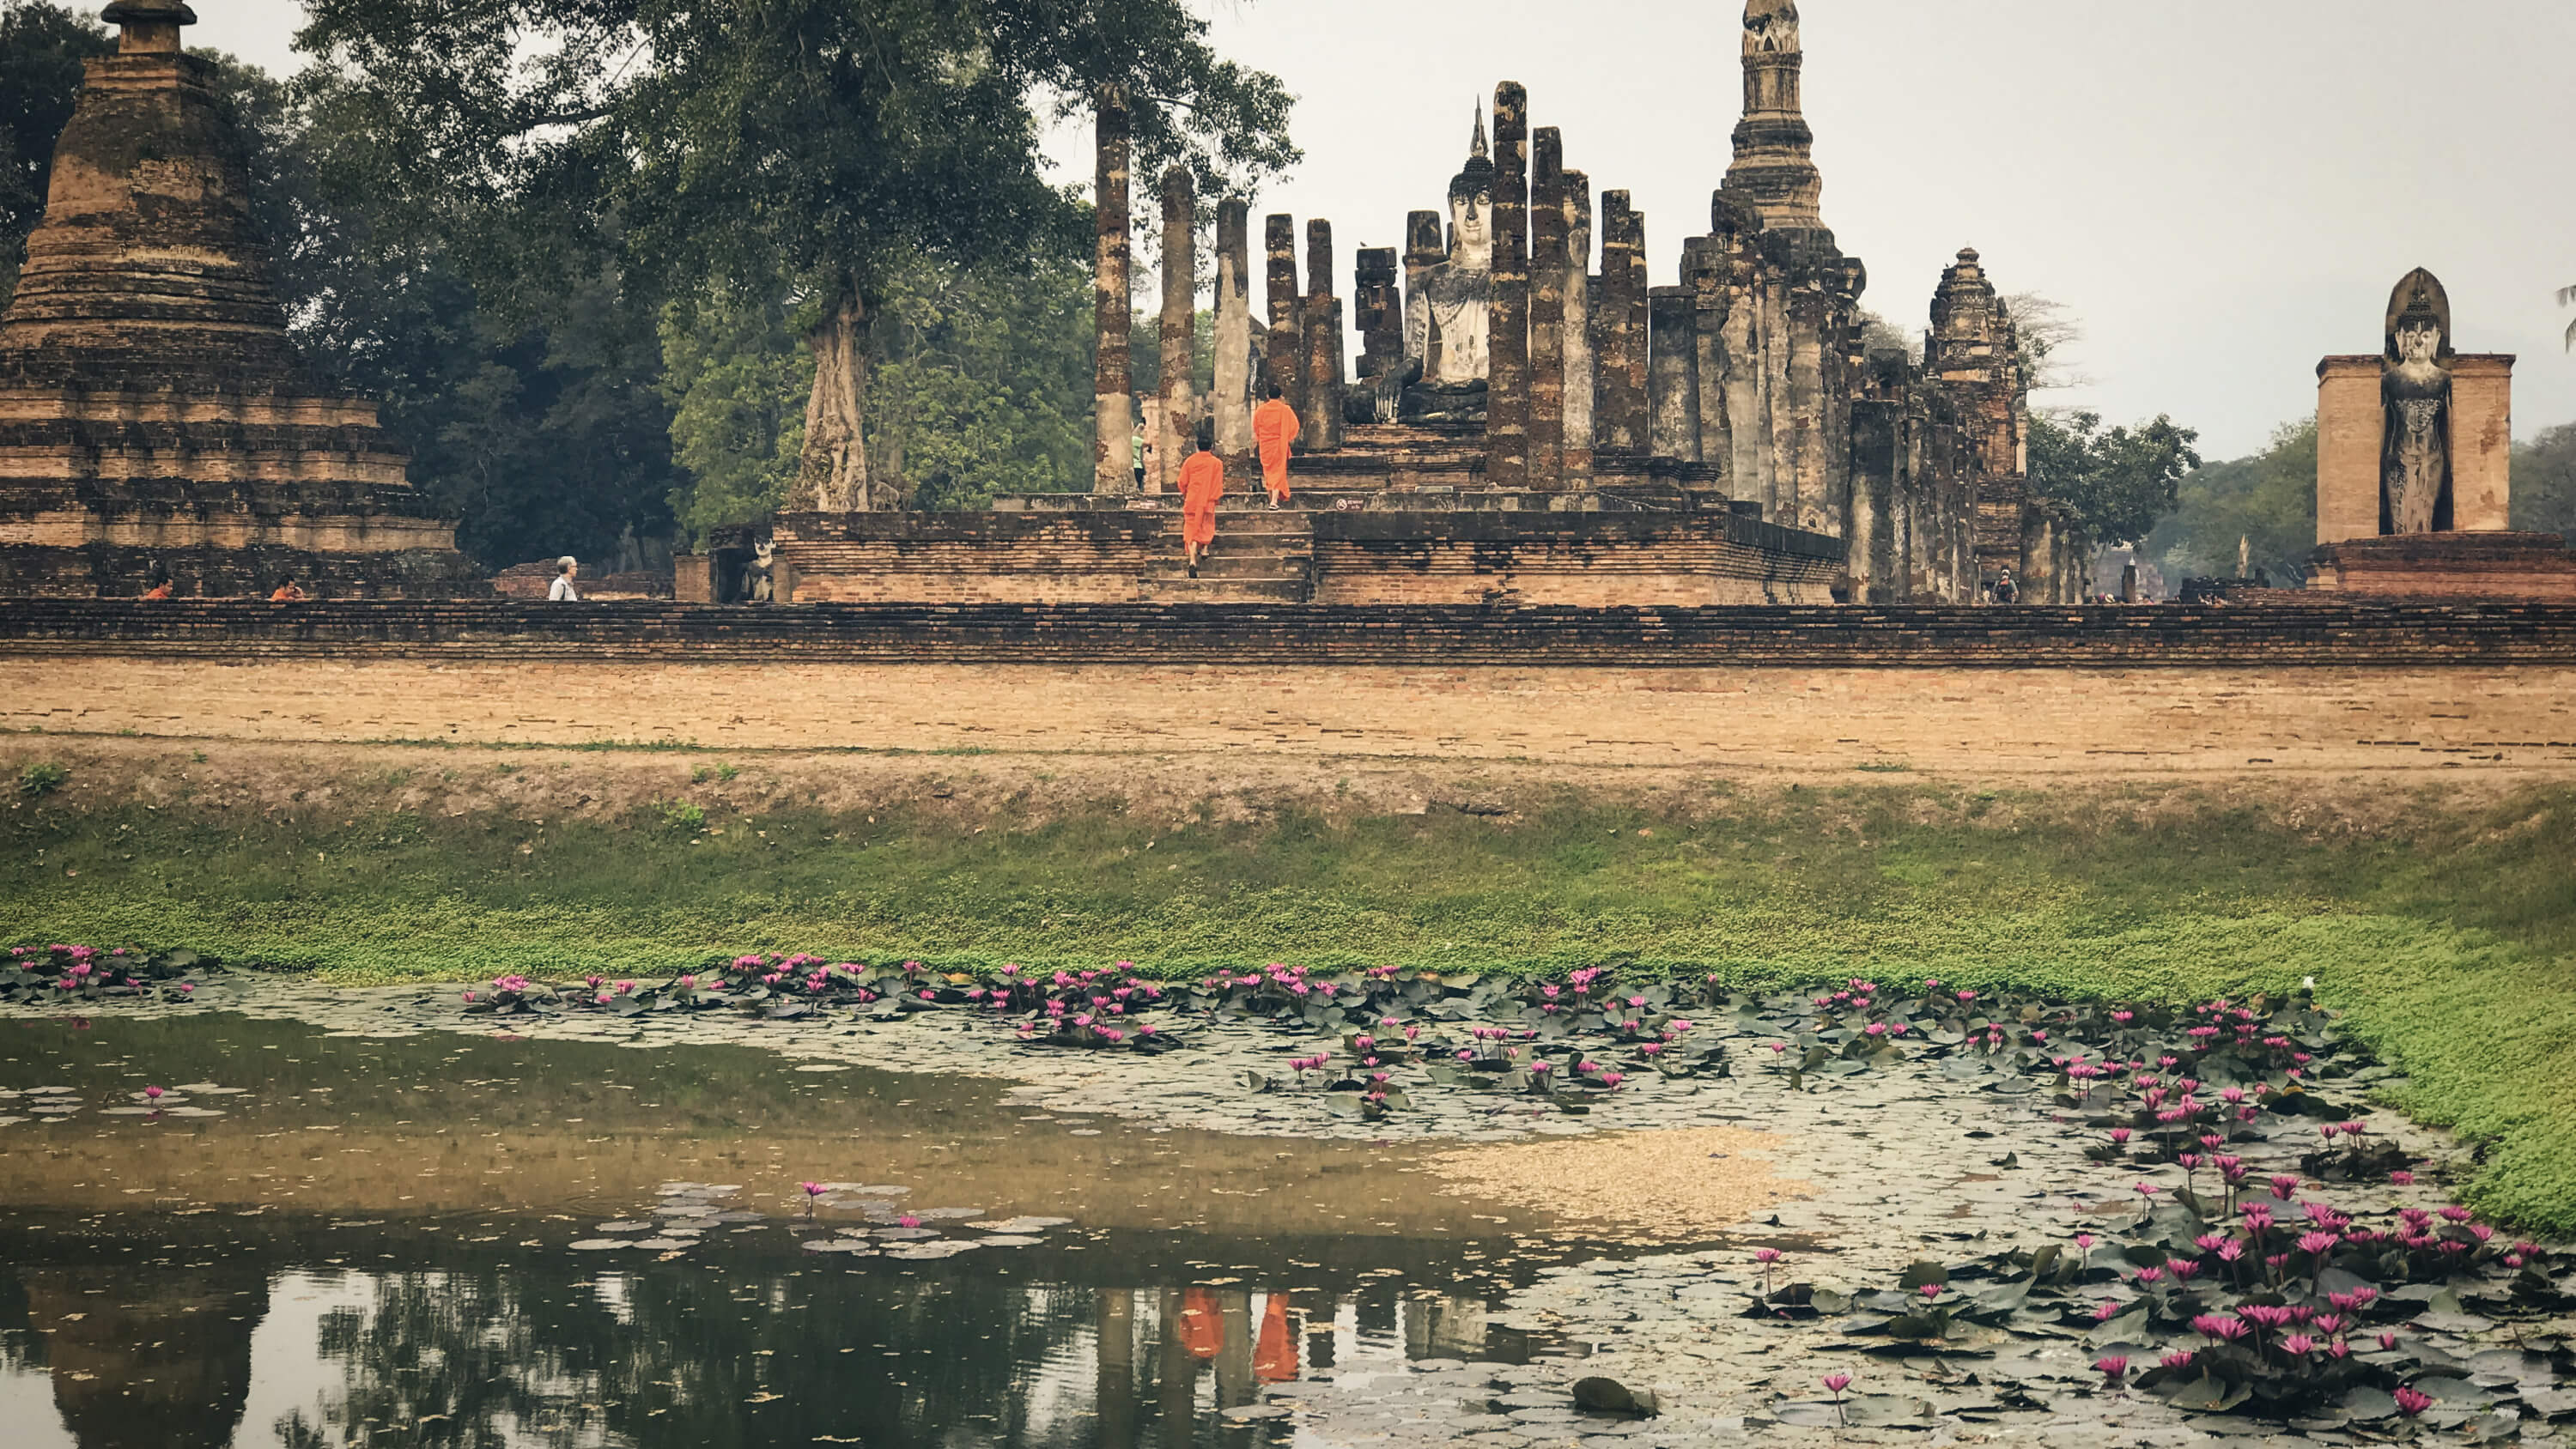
832 474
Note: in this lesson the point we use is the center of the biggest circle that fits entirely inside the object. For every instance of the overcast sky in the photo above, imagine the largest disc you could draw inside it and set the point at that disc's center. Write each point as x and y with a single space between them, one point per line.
2222 191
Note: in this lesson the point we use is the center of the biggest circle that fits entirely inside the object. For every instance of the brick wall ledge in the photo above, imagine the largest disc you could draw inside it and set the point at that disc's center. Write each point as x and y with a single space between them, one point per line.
2343 635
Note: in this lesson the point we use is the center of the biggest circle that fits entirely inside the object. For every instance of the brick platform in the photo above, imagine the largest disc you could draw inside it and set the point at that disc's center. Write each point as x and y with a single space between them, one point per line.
1926 638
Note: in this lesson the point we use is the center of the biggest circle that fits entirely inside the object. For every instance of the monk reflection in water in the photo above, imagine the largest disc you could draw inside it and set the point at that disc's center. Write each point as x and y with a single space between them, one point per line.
1275 1360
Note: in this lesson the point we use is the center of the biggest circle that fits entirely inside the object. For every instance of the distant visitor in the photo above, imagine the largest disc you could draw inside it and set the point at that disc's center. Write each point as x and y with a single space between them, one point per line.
564 590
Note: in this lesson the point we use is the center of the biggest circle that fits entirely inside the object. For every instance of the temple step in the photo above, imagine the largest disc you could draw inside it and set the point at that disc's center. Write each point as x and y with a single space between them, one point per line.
1210 590
1238 565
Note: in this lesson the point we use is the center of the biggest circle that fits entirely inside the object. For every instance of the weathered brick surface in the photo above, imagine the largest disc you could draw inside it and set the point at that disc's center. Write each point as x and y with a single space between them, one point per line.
1373 556
1944 638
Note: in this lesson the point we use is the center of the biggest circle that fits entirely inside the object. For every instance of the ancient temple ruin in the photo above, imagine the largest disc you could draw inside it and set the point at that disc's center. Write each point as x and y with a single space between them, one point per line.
155 421
1530 418
2415 468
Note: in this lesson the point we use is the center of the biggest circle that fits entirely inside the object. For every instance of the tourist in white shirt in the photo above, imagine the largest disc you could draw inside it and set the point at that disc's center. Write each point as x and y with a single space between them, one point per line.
563 590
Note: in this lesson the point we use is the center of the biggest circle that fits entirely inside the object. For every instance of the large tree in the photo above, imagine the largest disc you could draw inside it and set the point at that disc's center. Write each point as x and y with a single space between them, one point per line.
799 154
2117 481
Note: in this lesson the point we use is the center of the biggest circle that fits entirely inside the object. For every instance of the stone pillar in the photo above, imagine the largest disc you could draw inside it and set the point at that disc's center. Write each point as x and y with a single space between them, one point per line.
1232 403
1425 247
1380 311
1672 374
1322 417
1547 309
1875 560
1113 403
1287 336
1800 416
1507 400
1575 191
1619 412
2348 437
1178 416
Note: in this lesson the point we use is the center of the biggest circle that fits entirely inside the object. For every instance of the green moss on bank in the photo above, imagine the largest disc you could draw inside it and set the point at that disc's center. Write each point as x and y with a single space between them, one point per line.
2450 940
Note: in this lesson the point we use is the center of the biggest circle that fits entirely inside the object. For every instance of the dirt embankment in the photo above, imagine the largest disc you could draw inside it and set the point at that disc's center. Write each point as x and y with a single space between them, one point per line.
339 783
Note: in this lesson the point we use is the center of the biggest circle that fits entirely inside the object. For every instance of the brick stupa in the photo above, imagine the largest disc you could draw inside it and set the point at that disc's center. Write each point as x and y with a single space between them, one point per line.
154 417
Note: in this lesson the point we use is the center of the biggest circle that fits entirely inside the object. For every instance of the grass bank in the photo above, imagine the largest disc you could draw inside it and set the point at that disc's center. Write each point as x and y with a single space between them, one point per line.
2445 928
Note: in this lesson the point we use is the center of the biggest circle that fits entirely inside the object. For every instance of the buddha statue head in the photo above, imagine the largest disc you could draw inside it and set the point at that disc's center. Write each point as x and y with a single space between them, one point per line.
1471 205
2419 321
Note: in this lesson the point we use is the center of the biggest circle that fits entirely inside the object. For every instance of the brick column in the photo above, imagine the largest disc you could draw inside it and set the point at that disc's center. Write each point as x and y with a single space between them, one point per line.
1286 349
1180 318
1322 417
1672 376
1425 247
1113 404
2348 438
1582 382
1232 403
1547 309
1619 407
1507 402
1379 310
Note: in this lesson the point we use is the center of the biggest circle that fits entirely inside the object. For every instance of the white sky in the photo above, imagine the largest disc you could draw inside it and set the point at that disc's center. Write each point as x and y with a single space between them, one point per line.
2221 190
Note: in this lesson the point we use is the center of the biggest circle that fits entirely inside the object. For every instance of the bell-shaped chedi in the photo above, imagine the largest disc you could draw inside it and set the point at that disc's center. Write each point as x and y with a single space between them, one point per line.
155 420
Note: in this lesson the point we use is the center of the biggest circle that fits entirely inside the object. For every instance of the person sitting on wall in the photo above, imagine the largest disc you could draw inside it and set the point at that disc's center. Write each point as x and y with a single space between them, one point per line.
1202 484
1274 427
288 592
2005 593
161 588
563 590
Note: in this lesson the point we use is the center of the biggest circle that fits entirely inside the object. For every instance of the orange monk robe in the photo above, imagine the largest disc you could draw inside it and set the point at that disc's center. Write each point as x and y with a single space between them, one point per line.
1274 427
1202 1327
1274 1358
1202 483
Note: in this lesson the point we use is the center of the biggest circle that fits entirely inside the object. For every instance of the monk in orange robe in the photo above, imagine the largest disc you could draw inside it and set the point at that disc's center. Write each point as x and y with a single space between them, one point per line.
1274 427
1202 483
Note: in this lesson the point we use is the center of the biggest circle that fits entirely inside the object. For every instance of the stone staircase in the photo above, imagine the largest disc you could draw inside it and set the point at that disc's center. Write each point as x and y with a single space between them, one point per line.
1260 556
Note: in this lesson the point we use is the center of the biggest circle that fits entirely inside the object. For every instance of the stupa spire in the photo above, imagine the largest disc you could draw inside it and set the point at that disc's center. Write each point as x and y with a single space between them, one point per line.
1774 167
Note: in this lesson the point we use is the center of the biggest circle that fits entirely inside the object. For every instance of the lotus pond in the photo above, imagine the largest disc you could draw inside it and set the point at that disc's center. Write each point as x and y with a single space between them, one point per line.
783 1201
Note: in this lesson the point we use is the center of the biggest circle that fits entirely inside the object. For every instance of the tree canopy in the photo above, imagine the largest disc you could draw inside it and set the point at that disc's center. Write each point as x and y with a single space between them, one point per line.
2268 500
801 155
41 50
2118 481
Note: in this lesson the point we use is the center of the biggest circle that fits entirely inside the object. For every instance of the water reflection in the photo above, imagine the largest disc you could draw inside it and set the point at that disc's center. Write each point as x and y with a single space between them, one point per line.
371 1245
170 1358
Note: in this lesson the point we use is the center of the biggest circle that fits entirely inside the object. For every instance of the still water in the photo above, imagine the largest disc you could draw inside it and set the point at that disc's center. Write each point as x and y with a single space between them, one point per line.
331 1239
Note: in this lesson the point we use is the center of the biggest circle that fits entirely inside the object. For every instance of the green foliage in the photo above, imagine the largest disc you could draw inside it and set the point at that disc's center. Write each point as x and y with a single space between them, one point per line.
41 777
681 815
2120 482
719 771
2544 482
736 378
983 386
41 49
2269 500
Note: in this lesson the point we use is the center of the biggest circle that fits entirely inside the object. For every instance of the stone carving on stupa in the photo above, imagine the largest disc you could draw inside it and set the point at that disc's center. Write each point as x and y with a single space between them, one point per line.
1448 316
155 420
2415 392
